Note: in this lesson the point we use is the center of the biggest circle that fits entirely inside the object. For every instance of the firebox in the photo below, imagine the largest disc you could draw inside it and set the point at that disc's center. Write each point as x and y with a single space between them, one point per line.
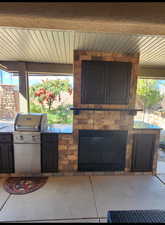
102 150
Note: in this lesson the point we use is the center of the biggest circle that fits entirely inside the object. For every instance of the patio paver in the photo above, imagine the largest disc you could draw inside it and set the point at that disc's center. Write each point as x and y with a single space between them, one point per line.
84 198
60 198
161 177
3 194
127 192
65 221
161 167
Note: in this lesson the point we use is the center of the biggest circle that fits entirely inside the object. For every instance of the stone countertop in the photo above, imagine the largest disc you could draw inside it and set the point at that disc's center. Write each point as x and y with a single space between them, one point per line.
68 129
60 129
146 126
6 128
57 128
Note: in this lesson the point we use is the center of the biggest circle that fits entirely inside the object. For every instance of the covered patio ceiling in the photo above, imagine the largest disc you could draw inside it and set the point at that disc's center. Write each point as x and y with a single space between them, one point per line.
57 46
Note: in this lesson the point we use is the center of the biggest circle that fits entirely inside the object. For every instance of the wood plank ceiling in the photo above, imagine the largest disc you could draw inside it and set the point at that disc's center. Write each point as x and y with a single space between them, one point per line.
56 46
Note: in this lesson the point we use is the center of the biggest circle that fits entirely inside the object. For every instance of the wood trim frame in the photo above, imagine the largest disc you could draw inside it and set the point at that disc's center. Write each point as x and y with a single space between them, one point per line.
79 56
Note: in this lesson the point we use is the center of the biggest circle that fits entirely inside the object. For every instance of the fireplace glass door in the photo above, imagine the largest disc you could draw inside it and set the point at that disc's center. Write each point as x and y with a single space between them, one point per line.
102 150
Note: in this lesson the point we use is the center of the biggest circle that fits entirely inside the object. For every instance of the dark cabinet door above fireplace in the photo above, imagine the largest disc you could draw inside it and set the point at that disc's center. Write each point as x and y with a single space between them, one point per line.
117 82
93 82
102 150
105 82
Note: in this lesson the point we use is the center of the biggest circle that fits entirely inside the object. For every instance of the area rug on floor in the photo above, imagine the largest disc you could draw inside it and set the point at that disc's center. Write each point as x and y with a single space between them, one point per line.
23 185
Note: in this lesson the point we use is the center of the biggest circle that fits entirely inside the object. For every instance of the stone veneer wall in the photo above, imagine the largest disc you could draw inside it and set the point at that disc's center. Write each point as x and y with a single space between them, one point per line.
67 153
9 101
104 120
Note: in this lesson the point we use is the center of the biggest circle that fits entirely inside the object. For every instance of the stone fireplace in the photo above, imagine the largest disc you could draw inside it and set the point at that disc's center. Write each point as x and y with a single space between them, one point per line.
100 117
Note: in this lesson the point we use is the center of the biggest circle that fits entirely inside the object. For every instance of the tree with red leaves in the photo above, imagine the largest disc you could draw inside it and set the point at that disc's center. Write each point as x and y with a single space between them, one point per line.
49 91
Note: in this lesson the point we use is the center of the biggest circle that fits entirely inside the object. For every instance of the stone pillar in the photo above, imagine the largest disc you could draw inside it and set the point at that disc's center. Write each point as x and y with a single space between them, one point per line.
105 120
23 89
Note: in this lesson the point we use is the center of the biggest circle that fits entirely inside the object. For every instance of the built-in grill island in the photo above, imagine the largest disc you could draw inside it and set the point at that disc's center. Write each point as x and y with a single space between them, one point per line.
103 138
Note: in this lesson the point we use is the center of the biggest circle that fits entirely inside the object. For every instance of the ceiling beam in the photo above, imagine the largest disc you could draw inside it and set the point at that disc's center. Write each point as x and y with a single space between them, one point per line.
125 17
152 73
34 67
67 69
11 66
55 68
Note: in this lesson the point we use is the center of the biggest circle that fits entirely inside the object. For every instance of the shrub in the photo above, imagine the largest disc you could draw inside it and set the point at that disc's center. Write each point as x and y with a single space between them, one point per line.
64 114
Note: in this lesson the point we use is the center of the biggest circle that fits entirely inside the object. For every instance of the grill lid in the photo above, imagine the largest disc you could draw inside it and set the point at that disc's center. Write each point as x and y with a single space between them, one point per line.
30 122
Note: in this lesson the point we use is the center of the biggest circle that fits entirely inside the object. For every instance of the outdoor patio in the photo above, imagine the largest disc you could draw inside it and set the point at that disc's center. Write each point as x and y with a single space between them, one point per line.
83 198
94 70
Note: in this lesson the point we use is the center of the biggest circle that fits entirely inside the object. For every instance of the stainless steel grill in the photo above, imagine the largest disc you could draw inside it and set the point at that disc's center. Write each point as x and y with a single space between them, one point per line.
30 122
27 151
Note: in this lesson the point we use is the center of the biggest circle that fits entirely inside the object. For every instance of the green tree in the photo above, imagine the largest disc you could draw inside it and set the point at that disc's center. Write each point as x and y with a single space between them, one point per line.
64 114
149 93
49 91
44 94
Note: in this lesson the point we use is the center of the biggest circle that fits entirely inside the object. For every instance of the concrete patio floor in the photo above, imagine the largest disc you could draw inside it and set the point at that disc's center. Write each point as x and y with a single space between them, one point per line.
82 198
161 167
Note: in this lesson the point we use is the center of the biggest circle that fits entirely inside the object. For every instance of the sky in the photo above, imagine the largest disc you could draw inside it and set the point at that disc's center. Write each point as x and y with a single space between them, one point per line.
38 79
162 86
9 78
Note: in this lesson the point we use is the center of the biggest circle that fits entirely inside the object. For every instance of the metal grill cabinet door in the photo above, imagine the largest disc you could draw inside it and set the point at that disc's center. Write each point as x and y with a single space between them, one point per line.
102 150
